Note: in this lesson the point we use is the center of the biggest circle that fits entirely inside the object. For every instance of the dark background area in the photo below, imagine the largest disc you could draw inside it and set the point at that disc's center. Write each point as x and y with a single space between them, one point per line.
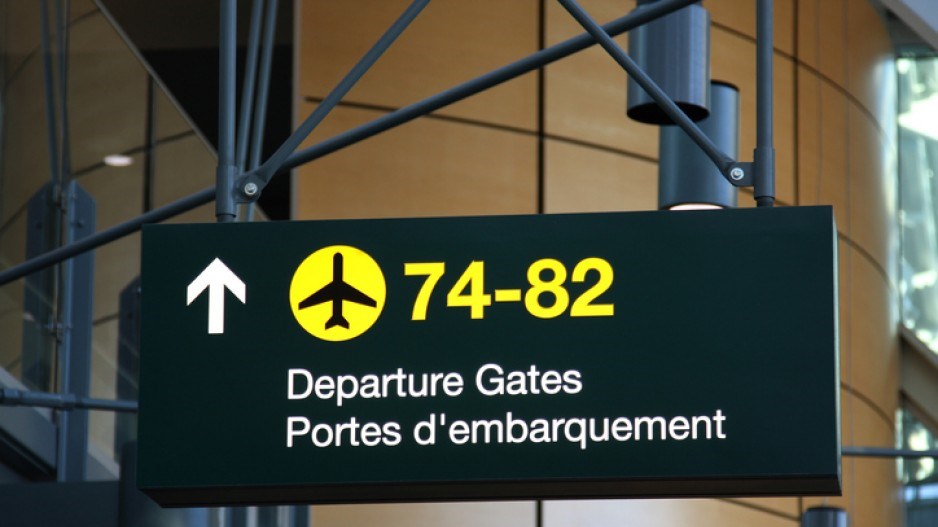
179 40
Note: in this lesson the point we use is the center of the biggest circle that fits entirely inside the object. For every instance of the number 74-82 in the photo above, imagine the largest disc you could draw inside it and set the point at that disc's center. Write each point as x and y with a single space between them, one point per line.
545 297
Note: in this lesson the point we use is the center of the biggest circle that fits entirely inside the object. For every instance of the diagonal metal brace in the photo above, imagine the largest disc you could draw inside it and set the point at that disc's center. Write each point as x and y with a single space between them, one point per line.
248 187
723 162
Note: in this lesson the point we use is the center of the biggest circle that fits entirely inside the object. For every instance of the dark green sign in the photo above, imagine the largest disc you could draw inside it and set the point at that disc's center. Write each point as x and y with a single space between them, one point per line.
558 356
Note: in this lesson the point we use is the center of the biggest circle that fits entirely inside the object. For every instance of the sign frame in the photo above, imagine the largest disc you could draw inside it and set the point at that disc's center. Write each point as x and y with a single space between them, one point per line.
203 414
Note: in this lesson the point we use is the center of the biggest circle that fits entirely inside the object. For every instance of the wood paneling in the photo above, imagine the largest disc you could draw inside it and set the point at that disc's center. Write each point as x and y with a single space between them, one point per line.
586 96
785 506
822 27
874 369
871 72
657 513
450 42
873 184
822 146
503 514
425 168
845 256
584 179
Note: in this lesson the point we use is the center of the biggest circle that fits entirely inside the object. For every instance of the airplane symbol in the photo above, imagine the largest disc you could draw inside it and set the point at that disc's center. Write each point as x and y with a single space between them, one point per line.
337 292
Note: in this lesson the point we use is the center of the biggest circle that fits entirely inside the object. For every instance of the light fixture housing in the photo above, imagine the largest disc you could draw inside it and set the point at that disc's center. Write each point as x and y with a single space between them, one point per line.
687 178
674 51
824 517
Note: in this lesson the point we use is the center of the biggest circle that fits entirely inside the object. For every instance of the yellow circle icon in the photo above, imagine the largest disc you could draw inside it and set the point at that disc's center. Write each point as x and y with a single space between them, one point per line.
337 293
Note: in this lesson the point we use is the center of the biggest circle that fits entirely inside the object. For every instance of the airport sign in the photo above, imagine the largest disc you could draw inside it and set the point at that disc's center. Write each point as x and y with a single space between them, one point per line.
516 357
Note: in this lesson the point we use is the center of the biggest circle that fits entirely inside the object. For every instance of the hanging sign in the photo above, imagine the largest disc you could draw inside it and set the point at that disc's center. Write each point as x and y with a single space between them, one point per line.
556 356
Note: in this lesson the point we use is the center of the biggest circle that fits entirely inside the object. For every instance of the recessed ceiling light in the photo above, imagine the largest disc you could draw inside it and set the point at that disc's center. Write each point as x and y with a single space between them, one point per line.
118 160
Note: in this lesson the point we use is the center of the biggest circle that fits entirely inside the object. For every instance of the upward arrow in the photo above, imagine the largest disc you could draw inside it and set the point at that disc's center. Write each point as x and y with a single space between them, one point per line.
216 278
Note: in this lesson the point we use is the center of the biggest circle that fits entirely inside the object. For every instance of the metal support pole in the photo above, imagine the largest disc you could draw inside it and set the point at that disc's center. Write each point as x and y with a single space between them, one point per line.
263 89
247 85
482 83
360 133
270 167
263 86
67 401
65 165
869 451
50 95
764 154
227 170
74 323
149 154
43 232
720 159
67 469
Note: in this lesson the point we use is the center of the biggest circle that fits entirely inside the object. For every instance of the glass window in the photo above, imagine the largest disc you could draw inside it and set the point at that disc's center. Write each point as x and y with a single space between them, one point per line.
919 476
918 163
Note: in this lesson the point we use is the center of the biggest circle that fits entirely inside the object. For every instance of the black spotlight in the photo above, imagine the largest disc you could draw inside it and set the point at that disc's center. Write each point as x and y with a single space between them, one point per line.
687 178
674 51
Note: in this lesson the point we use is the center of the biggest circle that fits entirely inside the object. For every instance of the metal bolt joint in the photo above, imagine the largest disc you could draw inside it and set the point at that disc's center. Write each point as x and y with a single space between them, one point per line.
248 188
740 174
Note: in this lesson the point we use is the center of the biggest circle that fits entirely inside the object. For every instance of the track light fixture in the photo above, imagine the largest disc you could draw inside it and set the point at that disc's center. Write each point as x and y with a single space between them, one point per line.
687 178
674 51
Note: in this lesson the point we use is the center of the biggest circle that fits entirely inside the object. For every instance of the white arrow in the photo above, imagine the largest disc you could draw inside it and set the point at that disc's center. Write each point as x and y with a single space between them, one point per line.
216 278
